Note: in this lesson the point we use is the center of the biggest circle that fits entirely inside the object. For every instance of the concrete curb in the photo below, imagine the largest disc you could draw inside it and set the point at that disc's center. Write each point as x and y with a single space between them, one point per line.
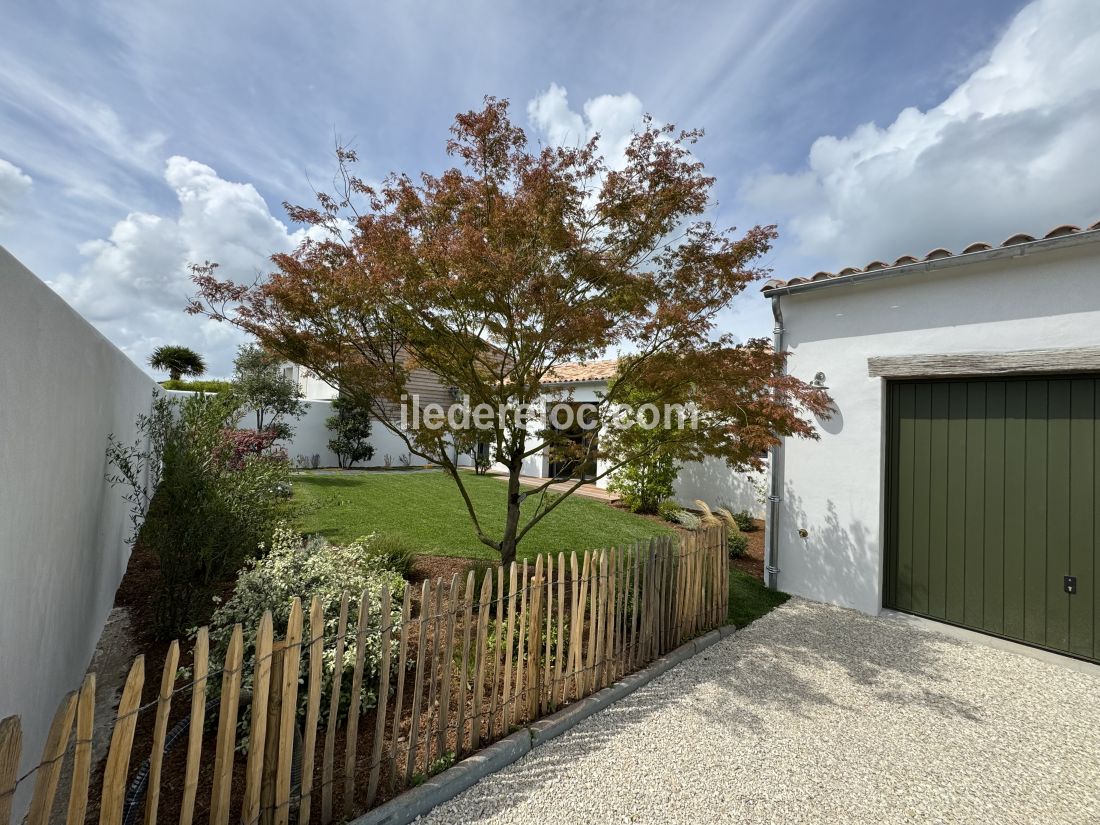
445 786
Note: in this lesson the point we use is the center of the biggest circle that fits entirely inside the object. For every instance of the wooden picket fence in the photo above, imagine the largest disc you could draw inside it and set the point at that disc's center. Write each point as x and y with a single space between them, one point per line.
466 665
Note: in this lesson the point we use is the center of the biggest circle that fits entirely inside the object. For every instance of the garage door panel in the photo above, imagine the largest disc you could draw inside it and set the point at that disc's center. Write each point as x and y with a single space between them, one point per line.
974 537
921 495
1082 514
992 492
993 528
1058 515
956 504
1015 540
938 497
1035 514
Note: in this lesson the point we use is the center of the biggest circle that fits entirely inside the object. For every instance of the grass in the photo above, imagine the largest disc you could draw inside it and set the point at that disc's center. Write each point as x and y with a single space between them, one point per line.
427 510
749 599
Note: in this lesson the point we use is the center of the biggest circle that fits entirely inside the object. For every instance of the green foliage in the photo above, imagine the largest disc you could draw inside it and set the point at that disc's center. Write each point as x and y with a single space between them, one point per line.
687 519
652 464
669 510
737 544
391 552
177 361
261 385
198 386
351 428
745 522
296 569
200 515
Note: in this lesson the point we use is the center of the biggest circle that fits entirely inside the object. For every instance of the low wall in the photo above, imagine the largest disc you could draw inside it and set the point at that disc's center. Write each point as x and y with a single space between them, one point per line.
63 528
311 437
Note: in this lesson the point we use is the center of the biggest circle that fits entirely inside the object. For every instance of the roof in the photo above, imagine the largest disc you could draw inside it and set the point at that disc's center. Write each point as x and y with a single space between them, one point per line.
937 257
577 372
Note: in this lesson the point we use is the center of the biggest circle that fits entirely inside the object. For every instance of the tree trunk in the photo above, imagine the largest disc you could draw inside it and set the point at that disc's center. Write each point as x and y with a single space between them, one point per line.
511 519
174 375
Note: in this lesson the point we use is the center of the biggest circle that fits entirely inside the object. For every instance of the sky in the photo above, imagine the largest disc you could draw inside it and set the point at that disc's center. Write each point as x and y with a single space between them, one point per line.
139 137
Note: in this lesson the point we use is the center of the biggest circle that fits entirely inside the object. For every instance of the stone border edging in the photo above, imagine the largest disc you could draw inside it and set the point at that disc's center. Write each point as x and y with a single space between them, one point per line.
443 787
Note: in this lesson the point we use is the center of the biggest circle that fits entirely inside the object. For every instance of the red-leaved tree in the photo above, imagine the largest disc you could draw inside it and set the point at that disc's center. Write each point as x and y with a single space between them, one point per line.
495 272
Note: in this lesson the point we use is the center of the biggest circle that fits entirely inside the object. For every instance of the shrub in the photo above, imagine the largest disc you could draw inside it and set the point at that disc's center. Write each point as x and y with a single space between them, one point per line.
292 569
350 427
193 507
237 445
646 482
669 510
687 519
737 544
390 552
745 522
198 386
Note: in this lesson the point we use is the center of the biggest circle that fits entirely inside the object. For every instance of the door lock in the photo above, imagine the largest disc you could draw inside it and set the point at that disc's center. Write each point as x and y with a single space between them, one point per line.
1069 584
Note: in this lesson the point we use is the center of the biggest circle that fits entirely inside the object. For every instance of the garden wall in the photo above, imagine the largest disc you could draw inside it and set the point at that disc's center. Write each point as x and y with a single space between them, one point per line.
63 389
311 437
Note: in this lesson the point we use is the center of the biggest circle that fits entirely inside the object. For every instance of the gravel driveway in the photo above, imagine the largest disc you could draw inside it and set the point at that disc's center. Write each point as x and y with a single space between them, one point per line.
818 714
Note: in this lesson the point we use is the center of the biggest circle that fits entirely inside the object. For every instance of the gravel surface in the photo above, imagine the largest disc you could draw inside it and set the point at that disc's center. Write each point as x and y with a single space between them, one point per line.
818 714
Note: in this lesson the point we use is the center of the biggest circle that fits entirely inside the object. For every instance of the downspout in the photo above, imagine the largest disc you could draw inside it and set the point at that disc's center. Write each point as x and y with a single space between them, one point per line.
775 472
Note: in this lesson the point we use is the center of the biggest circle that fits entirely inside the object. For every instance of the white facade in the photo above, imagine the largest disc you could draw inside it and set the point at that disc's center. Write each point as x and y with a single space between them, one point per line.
833 488
63 528
309 385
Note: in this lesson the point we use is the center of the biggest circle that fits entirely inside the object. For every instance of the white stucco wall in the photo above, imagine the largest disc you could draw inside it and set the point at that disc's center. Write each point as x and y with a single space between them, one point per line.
63 388
711 480
311 437
833 487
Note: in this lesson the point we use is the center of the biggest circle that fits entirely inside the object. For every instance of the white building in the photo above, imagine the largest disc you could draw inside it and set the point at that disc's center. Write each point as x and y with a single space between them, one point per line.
960 475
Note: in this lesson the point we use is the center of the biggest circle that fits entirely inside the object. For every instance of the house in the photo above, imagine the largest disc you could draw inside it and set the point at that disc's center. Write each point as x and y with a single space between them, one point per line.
710 479
572 383
959 477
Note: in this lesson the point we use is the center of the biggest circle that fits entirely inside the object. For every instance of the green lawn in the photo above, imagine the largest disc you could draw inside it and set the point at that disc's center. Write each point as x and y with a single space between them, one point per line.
427 510
750 599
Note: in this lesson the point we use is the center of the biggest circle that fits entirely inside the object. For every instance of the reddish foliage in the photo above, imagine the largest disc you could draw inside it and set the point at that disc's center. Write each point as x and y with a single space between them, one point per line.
237 445
495 272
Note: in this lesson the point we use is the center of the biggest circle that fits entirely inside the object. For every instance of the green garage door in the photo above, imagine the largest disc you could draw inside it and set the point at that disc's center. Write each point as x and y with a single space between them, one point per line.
992 490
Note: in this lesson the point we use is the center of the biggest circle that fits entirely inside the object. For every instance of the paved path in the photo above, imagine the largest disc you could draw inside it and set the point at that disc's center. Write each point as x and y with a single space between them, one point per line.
817 714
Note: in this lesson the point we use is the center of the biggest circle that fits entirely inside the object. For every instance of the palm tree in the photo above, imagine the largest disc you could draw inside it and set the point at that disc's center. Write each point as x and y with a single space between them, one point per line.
177 361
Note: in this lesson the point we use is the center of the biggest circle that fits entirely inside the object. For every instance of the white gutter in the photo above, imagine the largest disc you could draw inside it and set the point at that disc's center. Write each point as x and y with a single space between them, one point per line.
775 474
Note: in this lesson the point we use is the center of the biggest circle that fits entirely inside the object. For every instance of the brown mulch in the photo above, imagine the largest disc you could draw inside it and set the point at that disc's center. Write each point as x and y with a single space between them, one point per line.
753 560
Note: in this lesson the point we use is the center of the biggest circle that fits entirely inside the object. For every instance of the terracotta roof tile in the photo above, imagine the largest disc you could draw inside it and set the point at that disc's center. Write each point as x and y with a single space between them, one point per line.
1064 229
577 371
939 252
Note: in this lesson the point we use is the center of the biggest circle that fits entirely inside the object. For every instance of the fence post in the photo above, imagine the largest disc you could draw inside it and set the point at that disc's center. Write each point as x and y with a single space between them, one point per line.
272 739
82 754
316 649
118 756
257 734
11 744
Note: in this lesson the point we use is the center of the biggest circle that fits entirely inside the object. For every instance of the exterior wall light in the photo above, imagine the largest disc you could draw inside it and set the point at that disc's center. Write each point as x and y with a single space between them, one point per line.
819 382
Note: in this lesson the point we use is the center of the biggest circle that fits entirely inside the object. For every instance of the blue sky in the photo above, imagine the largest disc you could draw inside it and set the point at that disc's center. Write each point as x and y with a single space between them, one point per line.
136 137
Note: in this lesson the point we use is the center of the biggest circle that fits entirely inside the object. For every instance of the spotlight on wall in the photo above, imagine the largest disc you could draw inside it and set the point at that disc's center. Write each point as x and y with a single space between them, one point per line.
819 382
455 392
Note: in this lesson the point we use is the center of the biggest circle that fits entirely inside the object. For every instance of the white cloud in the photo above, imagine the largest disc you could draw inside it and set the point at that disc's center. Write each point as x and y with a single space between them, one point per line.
134 284
14 185
1013 148
612 117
